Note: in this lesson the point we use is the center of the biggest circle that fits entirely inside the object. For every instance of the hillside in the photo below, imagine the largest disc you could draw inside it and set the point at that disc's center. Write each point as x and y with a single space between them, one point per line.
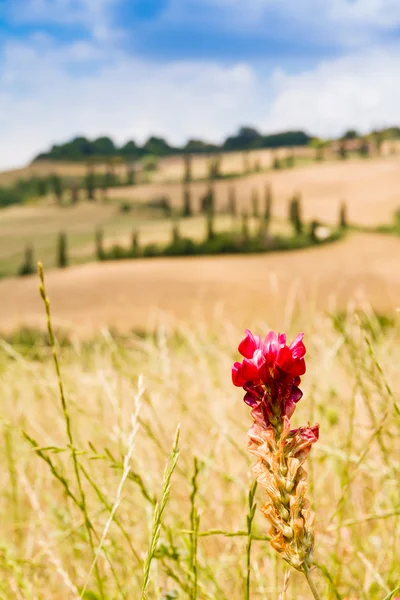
138 294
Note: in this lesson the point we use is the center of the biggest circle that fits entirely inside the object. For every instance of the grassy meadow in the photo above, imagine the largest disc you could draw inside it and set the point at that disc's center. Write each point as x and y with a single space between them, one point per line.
126 474
67 529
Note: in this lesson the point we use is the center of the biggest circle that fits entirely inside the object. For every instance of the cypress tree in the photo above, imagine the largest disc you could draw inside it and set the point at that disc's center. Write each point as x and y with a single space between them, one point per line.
214 168
255 203
343 222
176 234
245 228
74 189
58 188
268 203
276 164
187 201
187 164
207 203
232 207
295 214
263 231
130 175
210 226
90 183
62 251
135 243
99 237
313 230
342 150
28 266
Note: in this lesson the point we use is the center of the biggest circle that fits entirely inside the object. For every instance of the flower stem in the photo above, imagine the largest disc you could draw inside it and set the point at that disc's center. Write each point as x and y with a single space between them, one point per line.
311 583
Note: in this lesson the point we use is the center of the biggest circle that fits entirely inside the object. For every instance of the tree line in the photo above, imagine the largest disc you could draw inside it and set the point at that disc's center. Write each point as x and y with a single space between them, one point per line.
250 231
81 148
247 138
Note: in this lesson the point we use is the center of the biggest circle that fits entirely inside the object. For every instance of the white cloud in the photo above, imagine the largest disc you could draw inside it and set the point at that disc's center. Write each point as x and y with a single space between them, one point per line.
42 101
48 94
361 90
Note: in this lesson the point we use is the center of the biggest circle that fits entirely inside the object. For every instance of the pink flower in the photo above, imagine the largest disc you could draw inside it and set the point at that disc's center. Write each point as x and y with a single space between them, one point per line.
270 374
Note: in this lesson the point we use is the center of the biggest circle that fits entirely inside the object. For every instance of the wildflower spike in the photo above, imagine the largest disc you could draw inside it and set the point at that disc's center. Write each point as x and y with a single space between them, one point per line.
270 376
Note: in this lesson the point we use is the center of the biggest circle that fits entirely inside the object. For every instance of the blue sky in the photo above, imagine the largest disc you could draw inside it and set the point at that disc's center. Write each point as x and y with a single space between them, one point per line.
193 68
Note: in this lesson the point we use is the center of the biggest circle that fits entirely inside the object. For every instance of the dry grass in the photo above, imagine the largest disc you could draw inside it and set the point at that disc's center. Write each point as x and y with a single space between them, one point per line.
45 551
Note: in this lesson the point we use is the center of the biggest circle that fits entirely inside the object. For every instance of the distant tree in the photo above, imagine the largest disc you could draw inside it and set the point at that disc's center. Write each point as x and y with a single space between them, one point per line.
110 175
74 191
42 186
157 146
351 134
9 196
255 202
268 203
313 230
130 174
207 202
363 148
214 168
62 252
343 221
28 266
90 183
377 138
187 163
295 214
342 150
232 206
245 227
130 151
210 226
187 201
57 185
135 242
103 146
276 163
99 238
176 234
263 231
246 138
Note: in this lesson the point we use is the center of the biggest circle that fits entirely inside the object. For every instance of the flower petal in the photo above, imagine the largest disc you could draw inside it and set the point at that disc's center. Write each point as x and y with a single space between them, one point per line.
249 344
